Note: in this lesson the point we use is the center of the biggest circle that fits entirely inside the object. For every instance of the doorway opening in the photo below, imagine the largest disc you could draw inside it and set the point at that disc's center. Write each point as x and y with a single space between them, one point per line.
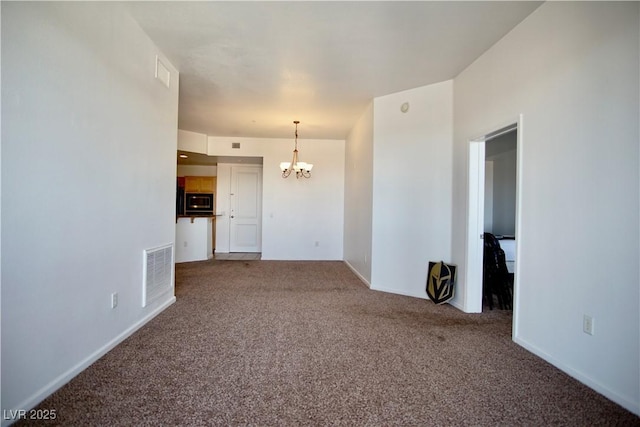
494 195
499 220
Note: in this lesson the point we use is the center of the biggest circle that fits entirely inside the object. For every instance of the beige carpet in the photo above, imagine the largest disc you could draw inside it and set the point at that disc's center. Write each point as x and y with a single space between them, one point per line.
269 343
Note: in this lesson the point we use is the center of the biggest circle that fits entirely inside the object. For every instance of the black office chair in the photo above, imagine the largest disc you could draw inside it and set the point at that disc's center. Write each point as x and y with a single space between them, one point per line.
496 279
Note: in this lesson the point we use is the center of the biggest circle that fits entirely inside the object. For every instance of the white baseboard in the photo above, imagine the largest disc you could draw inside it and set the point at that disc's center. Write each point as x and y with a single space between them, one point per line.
585 379
54 385
395 291
457 305
400 292
357 273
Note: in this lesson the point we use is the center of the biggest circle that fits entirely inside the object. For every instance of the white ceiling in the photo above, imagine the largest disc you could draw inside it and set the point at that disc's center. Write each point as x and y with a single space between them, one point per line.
251 68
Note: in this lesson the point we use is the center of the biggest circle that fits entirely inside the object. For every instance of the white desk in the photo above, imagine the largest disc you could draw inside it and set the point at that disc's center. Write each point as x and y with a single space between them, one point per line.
509 248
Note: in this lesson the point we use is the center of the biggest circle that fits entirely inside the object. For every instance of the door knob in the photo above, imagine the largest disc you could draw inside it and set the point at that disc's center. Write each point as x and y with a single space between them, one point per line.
231 216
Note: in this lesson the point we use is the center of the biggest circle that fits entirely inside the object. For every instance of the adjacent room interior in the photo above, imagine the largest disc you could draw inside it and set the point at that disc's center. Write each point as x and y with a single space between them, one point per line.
101 218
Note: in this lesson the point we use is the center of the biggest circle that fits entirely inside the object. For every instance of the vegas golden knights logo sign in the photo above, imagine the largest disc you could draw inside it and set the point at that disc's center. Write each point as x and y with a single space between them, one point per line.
440 282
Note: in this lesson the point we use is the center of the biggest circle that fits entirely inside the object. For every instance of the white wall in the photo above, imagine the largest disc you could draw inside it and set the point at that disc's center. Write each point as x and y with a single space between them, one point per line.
500 184
223 208
411 187
358 195
297 213
88 183
571 69
488 196
192 141
504 193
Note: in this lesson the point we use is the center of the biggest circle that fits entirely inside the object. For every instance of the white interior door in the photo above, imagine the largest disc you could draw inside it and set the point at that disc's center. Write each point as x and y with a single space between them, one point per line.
245 217
475 228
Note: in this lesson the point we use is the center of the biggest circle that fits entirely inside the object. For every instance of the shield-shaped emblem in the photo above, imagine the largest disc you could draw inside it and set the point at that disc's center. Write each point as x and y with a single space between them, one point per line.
440 281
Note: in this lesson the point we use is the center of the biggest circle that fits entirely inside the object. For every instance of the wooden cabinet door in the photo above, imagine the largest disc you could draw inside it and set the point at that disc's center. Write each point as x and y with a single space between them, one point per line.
200 184
207 184
191 184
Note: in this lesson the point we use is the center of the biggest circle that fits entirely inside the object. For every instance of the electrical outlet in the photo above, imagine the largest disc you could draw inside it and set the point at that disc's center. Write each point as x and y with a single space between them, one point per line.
114 300
587 324
317 244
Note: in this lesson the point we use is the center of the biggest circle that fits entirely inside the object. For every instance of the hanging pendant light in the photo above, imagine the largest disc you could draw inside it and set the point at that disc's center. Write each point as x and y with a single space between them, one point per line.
301 168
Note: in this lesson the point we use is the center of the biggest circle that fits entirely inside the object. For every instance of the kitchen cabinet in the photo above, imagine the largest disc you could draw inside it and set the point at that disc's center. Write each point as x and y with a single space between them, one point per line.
199 184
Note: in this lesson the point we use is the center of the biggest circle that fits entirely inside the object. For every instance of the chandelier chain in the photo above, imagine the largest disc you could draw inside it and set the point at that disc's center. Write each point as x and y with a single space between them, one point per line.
302 169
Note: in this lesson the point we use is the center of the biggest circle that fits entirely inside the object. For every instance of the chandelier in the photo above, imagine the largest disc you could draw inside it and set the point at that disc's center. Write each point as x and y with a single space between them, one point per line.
301 168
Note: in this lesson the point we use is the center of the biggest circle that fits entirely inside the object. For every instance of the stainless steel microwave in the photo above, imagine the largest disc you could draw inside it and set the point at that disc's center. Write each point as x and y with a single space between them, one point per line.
198 204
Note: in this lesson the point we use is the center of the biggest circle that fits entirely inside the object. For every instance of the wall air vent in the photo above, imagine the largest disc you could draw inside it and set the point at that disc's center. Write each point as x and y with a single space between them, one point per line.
235 145
162 72
157 273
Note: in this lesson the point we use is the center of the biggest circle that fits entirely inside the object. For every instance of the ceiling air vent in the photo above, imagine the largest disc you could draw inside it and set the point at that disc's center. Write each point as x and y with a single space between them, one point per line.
157 273
235 145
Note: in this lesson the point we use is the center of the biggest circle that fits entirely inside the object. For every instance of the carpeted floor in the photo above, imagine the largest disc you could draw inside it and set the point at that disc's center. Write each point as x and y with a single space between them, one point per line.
275 343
